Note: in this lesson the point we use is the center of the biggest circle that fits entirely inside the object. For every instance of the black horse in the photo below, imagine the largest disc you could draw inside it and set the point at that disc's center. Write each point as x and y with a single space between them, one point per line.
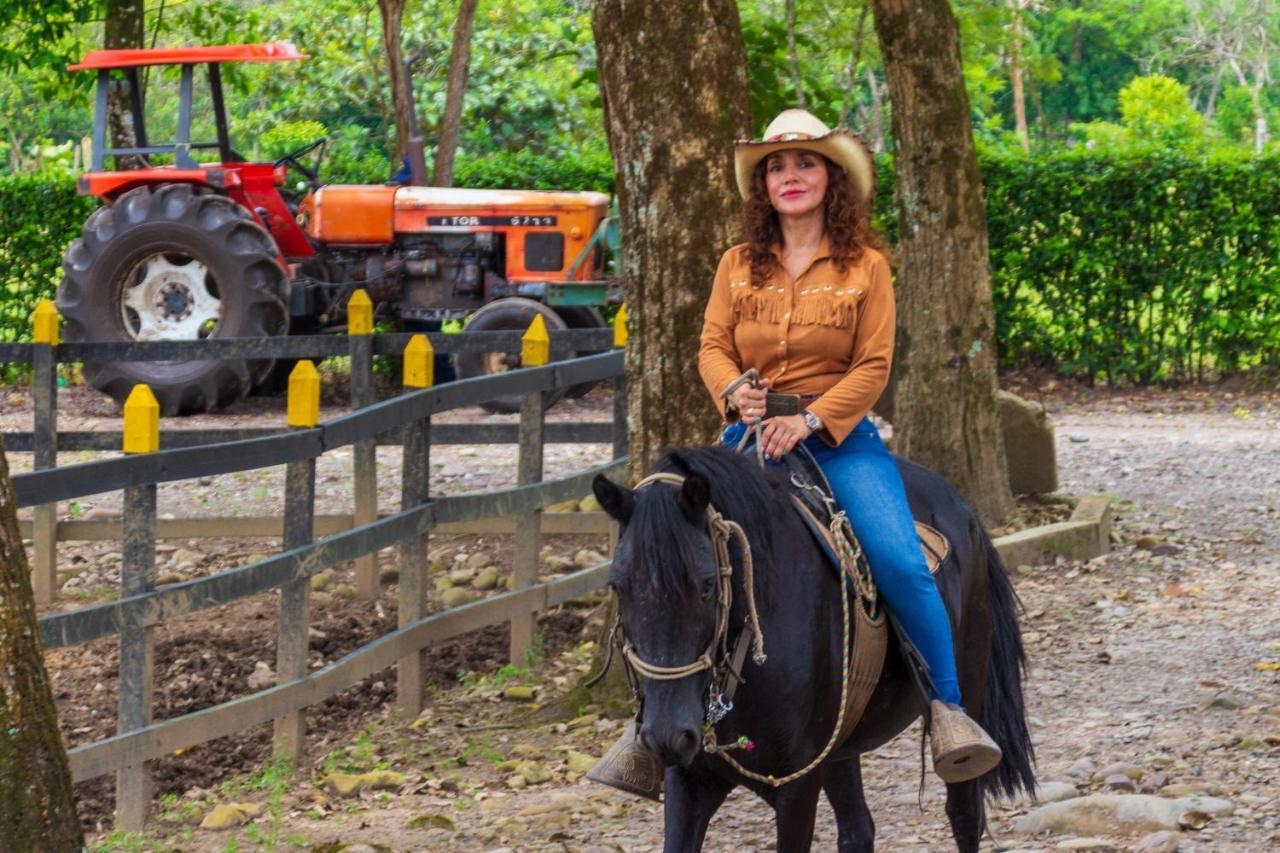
664 576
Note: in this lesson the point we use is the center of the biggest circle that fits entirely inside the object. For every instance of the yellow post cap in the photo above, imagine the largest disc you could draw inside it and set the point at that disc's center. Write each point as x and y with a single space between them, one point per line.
535 346
419 363
46 322
141 421
620 326
360 314
304 395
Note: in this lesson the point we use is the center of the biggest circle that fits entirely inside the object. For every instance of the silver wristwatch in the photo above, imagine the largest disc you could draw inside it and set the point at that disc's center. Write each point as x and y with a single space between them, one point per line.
813 421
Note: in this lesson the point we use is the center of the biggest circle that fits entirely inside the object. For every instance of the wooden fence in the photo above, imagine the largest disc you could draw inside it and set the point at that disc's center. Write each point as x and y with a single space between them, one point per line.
406 419
45 441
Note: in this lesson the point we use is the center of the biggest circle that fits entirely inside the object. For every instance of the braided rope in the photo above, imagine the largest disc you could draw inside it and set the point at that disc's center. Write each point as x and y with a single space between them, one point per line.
849 550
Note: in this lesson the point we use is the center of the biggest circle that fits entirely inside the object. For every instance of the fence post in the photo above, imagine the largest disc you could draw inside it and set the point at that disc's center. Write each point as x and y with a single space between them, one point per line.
415 476
620 387
292 641
360 336
535 350
137 576
44 521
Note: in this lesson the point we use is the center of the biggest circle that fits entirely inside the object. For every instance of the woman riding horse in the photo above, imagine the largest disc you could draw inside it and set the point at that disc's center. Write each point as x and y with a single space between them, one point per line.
807 302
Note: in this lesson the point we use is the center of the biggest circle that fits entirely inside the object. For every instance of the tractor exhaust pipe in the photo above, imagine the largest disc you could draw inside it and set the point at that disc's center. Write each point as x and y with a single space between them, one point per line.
417 151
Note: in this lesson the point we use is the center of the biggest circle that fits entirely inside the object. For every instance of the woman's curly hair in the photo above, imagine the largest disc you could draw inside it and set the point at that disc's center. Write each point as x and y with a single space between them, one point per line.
847 222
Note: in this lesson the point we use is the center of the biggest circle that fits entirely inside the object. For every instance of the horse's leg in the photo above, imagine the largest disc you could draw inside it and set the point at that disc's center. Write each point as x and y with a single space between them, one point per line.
964 810
842 781
689 801
795 807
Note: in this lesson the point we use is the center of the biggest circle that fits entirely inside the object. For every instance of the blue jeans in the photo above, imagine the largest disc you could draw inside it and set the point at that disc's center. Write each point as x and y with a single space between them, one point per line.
869 489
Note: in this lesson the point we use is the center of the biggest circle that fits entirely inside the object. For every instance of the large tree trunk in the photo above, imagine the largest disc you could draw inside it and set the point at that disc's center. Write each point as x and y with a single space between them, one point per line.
36 807
674 82
401 97
945 364
123 28
459 63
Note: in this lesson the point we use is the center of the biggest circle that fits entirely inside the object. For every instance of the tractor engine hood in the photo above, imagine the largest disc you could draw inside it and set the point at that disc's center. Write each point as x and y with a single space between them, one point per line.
374 215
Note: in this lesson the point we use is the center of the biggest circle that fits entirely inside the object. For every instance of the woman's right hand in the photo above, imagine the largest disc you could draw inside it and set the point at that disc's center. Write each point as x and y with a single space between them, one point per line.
750 401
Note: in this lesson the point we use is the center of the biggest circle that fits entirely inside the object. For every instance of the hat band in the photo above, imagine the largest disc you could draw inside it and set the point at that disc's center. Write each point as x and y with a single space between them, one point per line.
788 137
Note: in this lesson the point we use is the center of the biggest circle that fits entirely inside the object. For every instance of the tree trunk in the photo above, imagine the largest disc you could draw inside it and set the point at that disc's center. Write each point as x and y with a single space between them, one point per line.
459 64
673 158
793 55
401 98
855 56
874 124
123 28
1015 77
37 810
945 365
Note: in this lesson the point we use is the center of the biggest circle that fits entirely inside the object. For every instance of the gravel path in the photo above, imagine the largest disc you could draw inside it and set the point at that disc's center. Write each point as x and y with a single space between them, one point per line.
1157 656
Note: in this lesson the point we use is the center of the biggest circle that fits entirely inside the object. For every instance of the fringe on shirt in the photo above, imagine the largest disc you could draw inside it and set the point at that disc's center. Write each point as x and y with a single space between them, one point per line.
836 312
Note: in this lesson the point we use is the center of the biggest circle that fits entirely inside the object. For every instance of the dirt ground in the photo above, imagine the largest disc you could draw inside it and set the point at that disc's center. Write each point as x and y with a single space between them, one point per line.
1162 656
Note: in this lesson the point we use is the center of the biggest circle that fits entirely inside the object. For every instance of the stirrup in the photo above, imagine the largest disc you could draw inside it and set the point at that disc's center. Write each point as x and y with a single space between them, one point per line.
961 749
629 766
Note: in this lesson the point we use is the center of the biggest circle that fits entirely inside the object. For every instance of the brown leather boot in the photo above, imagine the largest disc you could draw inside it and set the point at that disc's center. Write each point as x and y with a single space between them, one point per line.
961 749
629 766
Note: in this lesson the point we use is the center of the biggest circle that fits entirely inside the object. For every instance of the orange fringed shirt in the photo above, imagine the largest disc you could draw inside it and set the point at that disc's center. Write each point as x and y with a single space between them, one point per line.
826 334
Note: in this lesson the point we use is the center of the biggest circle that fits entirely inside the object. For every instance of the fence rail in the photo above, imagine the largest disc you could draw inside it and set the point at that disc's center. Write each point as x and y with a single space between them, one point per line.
404 420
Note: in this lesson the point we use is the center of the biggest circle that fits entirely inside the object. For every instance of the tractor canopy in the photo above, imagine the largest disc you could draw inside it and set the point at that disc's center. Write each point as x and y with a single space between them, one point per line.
128 62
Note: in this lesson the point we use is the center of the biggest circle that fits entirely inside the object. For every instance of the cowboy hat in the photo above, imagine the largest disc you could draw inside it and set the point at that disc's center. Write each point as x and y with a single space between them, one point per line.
800 129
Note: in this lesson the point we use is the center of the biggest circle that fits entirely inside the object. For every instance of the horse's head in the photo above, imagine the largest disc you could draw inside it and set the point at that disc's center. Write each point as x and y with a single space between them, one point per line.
665 577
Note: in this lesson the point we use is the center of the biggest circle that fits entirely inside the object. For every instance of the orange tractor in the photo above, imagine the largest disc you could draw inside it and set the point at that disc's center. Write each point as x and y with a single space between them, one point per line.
191 249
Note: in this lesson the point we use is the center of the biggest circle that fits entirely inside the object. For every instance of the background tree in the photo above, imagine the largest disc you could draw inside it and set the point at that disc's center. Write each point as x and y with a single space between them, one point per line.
459 63
402 107
673 159
123 29
945 363
37 810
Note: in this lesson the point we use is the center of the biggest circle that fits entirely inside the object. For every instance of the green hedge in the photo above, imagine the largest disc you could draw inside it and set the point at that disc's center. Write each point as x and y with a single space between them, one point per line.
1136 267
39 216
1131 268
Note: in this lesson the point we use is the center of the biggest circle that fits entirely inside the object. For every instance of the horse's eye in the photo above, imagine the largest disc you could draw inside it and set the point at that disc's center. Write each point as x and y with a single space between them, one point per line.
708 589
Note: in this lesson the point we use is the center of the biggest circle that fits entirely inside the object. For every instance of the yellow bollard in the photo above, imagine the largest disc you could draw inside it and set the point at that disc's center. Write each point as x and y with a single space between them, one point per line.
419 363
535 346
304 395
620 326
359 314
46 322
141 421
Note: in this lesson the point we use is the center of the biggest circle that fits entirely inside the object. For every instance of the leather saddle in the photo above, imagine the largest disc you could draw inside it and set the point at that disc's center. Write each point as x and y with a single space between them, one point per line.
812 497
871 622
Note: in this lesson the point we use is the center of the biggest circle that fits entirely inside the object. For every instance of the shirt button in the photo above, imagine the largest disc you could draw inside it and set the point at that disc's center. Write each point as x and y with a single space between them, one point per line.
786 316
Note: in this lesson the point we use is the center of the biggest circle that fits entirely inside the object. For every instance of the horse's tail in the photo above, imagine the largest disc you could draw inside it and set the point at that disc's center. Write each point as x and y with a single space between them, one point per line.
1004 714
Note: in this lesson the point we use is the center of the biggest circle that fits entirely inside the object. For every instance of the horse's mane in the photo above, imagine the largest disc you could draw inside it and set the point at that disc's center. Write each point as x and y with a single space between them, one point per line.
741 491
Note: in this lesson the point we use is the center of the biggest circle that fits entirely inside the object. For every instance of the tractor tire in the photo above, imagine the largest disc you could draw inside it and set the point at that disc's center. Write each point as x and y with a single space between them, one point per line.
511 314
171 264
582 317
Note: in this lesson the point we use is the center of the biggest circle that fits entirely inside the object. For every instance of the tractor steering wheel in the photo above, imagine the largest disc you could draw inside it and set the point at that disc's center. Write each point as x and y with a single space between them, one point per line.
293 160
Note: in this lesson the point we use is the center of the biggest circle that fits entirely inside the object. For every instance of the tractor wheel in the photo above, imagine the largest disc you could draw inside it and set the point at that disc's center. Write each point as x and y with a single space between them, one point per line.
170 264
582 317
513 313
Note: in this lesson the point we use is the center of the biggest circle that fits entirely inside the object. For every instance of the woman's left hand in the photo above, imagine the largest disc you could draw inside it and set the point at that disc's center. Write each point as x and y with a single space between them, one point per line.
780 434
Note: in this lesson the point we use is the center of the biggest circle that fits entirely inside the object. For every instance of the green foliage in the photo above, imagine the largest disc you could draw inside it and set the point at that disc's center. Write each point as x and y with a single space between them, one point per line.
1136 266
1158 109
589 169
39 216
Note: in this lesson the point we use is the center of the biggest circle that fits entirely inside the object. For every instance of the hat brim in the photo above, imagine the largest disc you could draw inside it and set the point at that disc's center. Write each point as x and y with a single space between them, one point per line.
841 146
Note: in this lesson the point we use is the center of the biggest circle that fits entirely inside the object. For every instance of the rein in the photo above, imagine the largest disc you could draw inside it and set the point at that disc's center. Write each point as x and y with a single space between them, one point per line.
726 666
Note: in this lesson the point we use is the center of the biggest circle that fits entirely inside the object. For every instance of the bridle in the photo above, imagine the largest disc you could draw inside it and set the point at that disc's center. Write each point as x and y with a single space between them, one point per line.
725 665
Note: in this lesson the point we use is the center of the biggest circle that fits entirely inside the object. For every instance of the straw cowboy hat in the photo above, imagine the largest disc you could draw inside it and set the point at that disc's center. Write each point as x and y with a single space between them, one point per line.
800 129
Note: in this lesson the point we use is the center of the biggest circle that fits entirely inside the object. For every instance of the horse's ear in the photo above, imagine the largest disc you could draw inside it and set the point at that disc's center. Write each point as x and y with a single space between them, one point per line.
618 501
694 497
